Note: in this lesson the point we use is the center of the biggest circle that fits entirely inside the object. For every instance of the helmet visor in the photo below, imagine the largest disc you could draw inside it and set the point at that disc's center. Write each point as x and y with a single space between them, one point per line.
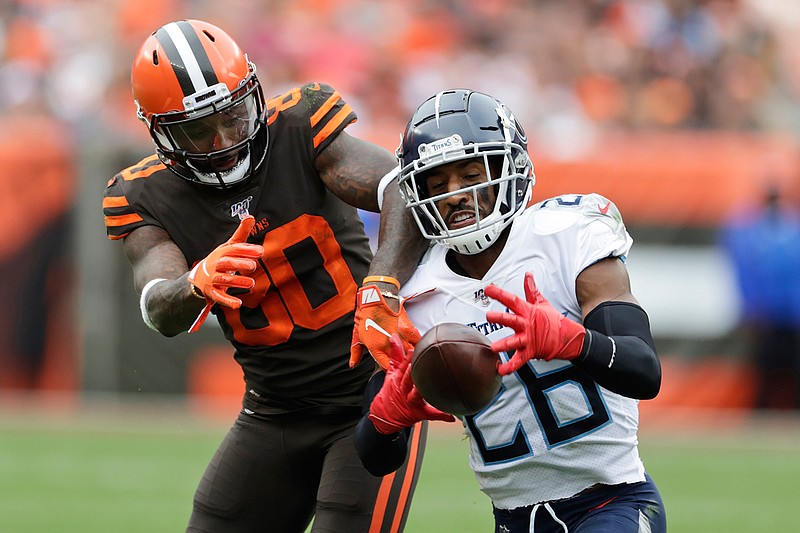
223 128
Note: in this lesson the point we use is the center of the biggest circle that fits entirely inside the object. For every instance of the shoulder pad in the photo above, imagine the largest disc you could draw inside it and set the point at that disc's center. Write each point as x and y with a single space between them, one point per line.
591 206
315 106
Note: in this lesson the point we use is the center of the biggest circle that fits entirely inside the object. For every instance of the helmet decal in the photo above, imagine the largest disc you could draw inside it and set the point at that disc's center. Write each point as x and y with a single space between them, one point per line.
188 58
426 151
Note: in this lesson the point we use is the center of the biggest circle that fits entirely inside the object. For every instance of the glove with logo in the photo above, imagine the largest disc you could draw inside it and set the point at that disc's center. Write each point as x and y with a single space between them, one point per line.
375 322
399 405
541 331
226 267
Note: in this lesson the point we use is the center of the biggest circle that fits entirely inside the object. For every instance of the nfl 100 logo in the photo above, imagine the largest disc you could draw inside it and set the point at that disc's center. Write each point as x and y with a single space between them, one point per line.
241 209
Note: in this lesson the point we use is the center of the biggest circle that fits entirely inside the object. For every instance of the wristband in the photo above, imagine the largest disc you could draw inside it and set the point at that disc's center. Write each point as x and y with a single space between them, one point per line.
382 279
196 291
143 301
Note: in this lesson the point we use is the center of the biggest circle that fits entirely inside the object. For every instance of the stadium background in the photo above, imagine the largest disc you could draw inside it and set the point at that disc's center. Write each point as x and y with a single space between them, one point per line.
682 112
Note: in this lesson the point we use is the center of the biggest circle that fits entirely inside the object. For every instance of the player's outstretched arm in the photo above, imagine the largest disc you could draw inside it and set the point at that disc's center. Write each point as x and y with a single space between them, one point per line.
171 297
540 332
358 171
400 247
614 344
380 436
399 404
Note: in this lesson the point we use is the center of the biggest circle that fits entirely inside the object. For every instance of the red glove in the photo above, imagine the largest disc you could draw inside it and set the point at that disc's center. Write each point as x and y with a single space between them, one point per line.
399 405
375 322
541 331
218 271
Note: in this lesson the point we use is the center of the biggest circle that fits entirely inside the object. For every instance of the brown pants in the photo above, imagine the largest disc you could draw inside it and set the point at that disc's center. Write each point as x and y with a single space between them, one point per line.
276 473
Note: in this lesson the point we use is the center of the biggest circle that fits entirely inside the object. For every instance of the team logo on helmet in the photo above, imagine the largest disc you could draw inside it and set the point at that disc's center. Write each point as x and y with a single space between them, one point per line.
426 151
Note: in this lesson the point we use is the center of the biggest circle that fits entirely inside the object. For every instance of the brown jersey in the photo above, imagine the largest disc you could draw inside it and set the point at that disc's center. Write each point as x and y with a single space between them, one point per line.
292 334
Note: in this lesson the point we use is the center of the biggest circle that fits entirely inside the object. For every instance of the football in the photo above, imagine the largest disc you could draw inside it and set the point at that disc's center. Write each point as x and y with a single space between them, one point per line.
455 369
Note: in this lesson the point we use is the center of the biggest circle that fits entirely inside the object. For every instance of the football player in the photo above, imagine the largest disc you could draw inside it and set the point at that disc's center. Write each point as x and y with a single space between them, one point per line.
247 210
556 450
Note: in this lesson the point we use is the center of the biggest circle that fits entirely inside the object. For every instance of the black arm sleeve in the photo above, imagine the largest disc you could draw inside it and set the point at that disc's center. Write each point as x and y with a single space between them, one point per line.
619 352
380 454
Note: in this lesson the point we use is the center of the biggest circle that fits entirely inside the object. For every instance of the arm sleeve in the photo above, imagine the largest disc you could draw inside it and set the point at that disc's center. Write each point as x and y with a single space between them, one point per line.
619 352
380 454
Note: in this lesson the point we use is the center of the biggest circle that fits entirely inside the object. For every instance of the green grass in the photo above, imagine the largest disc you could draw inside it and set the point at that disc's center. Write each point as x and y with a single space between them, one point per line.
126 474
727 483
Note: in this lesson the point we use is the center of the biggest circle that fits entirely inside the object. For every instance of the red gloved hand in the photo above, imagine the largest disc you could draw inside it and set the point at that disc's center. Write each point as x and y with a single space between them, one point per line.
375 322
223 267
399 405
541 331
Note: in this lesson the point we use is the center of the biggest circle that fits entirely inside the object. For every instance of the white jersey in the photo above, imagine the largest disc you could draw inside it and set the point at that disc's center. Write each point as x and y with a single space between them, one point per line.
552 431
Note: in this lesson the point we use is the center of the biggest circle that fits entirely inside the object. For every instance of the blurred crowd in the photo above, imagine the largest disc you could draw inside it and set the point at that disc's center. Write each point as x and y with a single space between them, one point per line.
569 68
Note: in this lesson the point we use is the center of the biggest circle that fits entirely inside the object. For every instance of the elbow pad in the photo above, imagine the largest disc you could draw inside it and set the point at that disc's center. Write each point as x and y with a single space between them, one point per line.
619 352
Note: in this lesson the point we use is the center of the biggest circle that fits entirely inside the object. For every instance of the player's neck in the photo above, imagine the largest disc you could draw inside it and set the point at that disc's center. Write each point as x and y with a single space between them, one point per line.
477 265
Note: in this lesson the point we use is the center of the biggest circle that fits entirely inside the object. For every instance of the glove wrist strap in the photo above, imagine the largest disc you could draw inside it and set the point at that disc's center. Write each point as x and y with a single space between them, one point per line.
387 294
196 292
383 426
382 279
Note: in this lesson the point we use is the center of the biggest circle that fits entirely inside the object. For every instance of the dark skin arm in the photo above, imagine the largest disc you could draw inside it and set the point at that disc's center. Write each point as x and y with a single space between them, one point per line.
352 169
171 306
607 280
636 371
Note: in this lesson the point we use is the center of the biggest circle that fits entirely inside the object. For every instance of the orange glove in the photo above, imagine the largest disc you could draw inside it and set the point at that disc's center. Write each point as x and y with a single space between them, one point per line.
223 269
399 405
541 331
375 322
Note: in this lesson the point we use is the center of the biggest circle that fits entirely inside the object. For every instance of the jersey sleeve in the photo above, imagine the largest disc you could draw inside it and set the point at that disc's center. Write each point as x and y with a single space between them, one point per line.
330 114
118 212
318 108
604 234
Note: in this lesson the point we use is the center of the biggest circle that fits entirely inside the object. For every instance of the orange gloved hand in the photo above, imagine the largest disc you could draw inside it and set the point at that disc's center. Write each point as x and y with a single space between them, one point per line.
399 405
375 323
541 332
225 267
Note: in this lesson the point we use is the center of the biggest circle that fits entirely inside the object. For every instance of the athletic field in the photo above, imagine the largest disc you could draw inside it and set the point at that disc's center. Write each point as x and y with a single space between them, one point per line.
106 465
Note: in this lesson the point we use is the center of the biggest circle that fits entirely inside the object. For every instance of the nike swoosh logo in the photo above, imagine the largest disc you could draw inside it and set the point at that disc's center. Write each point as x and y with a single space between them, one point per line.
369 323
604 210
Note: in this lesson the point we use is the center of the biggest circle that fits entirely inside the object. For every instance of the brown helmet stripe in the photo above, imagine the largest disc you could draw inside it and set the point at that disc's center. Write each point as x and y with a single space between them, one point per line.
187 56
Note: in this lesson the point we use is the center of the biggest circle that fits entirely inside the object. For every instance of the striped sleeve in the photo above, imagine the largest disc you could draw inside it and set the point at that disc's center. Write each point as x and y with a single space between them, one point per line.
120 217
330 114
